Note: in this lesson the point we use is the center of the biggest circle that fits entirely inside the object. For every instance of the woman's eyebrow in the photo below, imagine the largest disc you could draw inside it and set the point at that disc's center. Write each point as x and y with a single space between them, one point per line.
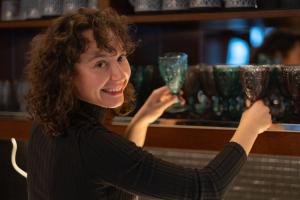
94 55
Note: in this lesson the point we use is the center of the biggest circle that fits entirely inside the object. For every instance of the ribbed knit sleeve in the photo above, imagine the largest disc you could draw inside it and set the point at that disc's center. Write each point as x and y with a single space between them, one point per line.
109 157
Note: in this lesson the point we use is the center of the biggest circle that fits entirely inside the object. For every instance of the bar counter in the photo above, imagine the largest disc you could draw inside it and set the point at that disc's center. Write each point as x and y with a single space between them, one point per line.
180 134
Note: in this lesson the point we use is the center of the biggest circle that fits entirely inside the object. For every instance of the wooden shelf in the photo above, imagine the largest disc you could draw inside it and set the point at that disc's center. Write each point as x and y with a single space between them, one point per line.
172 18
18 129
37 23
271 142
205 16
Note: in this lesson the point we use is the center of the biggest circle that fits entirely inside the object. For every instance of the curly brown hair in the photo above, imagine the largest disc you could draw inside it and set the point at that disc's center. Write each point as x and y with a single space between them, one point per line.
52 58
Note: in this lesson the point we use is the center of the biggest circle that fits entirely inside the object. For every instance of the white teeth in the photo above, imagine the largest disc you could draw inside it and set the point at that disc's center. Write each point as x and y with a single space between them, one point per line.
113 90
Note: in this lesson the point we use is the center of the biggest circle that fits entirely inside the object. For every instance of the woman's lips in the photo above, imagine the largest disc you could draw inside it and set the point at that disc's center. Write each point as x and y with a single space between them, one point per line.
113 91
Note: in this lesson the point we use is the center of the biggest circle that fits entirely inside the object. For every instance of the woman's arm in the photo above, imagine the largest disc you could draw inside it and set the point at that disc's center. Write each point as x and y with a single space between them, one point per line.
119 162
156 104
254 121
136 131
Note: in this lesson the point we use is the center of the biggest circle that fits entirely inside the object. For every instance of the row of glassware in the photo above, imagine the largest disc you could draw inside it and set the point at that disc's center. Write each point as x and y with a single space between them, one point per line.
12 95
219 92
221 89
34 9
176 5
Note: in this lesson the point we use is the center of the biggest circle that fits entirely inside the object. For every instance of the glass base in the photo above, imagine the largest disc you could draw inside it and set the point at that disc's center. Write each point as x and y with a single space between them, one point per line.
177 108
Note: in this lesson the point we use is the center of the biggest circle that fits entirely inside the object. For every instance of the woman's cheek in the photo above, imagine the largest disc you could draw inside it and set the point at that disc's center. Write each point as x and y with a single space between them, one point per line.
128 71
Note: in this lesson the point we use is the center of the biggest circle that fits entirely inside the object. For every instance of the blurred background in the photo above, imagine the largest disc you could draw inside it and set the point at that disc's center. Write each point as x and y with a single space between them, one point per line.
221 38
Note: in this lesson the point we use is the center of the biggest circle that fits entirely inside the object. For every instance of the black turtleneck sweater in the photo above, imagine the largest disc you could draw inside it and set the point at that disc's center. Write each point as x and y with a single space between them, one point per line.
89 162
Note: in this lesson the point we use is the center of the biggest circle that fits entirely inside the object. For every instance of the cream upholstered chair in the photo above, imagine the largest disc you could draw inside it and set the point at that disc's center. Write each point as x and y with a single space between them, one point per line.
13 158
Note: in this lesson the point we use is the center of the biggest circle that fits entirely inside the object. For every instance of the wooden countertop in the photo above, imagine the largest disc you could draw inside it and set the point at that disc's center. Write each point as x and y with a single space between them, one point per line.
186 137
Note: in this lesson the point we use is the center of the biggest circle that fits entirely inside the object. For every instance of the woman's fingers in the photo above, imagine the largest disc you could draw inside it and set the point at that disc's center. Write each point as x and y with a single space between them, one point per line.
257 118
168 96
164 90
166 102
169 101
182 100
161 90
163 97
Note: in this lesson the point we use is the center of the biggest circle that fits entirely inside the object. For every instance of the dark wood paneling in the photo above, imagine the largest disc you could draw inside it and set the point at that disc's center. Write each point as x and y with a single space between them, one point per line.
18 129
123 7
13 51
21 43
24 24
155 40
5 55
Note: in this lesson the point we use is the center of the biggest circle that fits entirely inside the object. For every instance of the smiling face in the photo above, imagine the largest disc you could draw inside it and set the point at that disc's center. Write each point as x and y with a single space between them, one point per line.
101 77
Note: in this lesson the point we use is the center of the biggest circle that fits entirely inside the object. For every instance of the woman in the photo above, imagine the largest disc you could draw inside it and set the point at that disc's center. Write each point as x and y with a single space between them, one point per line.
78 70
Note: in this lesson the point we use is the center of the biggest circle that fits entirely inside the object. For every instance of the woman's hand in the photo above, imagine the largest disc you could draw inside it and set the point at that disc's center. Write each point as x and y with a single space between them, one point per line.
254 121
153 108
156 104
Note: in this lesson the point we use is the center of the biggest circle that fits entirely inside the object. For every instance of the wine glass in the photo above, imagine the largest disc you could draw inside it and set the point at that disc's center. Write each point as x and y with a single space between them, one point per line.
199 88
291 78
254 79
190 88
51 8
277 94
208 91
34 9
72 5
173 67
229 88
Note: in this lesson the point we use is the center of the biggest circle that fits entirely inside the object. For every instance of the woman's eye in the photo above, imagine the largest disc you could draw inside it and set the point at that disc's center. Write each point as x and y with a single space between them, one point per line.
122 58
100 64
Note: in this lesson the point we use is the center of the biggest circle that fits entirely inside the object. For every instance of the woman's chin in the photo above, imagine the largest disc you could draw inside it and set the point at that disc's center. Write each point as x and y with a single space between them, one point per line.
114 104
111 101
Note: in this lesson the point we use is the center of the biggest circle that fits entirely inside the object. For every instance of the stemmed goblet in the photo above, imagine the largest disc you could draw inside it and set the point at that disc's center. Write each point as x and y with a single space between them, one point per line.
277 94
229 89
254 79
291 78
199 90
173 67
208 91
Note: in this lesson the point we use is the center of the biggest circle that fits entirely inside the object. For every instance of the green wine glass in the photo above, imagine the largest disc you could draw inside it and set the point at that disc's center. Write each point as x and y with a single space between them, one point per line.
173 68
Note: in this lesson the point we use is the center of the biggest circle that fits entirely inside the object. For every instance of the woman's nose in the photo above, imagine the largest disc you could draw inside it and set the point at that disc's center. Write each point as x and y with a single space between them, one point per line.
117 73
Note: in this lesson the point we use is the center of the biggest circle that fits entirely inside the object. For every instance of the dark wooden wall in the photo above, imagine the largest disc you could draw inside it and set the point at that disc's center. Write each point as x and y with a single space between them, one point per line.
13 52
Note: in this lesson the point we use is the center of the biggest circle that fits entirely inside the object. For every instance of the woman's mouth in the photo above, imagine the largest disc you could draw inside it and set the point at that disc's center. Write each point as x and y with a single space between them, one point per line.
113 91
